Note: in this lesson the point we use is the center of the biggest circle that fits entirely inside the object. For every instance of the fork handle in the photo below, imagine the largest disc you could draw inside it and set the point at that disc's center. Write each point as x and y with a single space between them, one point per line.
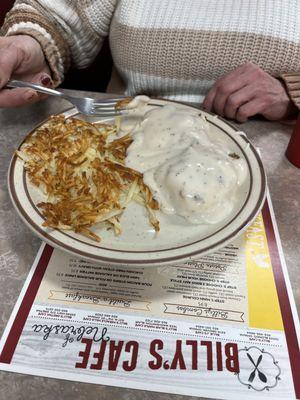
21 84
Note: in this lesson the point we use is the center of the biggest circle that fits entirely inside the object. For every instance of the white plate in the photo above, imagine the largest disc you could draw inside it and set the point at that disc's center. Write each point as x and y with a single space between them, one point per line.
138 245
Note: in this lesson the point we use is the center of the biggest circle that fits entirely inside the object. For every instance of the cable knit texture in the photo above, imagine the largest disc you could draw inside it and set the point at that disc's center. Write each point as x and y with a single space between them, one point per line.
168 48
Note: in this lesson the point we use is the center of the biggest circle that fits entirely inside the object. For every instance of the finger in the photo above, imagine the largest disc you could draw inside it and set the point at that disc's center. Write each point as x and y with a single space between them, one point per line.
223 93
237 99
223 88
41 79
237 81
209 99
11 58
253 107
226 85
17 97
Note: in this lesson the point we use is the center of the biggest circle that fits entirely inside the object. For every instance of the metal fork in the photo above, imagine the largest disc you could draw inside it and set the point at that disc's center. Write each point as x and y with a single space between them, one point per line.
85 105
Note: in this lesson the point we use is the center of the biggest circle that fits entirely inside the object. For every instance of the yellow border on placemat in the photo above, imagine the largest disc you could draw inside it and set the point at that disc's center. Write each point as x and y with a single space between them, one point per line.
263 303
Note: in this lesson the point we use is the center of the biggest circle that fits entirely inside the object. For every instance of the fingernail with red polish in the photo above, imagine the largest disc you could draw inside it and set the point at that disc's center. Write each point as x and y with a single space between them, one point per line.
46 80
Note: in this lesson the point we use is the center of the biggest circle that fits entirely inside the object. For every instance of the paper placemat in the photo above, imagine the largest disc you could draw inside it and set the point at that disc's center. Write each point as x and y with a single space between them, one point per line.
223 326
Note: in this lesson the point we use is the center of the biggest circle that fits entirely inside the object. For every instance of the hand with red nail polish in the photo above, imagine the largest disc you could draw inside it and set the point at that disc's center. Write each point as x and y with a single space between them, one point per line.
21 57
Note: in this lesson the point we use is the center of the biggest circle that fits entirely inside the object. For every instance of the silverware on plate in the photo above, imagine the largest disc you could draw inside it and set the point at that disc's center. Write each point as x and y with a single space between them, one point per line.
85 105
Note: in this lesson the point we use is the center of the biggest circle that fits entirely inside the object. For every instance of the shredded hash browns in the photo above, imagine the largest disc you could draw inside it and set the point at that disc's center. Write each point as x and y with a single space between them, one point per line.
80 167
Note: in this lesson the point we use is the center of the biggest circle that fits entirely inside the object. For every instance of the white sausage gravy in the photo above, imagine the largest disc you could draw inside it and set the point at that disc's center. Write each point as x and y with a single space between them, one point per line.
187 173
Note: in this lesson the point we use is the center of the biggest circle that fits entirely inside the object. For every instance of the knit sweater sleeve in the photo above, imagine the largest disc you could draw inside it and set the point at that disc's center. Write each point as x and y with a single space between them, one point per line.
69 32
292 83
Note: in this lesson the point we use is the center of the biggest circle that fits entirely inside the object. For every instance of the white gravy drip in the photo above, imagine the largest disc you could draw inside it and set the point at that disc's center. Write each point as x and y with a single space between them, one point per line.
135 114
138 102
187 174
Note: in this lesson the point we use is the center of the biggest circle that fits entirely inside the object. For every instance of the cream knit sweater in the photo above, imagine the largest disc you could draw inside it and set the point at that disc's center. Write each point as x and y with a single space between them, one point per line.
171 48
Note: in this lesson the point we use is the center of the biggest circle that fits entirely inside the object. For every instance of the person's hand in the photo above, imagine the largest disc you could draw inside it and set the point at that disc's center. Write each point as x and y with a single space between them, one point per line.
247 91
21 57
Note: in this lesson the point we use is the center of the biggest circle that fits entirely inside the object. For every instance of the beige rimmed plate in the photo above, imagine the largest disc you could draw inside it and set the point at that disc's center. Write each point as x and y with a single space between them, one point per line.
139 245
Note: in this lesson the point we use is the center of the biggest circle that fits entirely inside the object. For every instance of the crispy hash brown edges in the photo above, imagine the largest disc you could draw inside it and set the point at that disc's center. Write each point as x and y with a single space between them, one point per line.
81 168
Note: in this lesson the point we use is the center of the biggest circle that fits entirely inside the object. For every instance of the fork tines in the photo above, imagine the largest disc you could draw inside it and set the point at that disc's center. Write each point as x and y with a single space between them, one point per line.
107 108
